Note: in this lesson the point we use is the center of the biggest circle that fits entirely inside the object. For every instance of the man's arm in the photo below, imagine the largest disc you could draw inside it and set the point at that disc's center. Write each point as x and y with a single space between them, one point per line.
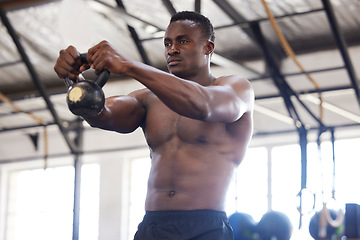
227 100
122 114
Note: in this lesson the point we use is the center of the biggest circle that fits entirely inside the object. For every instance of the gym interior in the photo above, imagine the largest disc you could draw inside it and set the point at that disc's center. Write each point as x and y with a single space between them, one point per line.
62 179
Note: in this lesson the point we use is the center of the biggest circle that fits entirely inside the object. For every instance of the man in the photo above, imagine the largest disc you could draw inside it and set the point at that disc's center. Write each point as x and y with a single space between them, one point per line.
197 127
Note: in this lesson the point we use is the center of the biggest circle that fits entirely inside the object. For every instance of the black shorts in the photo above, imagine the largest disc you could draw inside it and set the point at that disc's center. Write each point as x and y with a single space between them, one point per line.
181 225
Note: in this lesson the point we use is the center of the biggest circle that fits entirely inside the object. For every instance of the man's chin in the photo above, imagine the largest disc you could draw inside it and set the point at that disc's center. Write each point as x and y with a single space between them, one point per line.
174 70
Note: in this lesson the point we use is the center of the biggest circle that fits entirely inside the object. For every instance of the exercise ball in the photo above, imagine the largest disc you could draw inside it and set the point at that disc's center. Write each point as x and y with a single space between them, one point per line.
243 226
274 225
330 231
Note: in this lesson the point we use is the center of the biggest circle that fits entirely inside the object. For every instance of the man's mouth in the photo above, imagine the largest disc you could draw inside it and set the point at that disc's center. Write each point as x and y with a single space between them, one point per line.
173 61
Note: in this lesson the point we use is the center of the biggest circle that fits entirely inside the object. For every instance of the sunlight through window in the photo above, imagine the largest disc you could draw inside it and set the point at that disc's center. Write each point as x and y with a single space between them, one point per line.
250 187
40 204
140 168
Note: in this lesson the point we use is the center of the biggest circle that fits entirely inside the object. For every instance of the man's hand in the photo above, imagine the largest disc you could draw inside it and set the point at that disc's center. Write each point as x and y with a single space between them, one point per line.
104 56
69 64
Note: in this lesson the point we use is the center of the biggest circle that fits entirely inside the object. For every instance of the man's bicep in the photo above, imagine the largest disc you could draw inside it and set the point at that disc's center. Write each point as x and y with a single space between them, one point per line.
127 113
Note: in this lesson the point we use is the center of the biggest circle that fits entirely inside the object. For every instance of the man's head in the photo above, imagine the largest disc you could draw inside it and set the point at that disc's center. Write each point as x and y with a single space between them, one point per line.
203 22
189 44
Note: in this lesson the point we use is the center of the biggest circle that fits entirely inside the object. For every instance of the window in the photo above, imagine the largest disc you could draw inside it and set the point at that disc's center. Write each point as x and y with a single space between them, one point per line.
321 178
89 202
286 180
347 165
249 185
40 203
140 168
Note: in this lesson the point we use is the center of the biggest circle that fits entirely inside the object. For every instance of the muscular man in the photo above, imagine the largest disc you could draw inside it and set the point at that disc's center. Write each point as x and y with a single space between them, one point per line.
197 127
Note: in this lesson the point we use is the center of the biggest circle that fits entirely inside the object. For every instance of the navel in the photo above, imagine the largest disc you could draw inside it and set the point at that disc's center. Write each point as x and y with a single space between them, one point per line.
201 139
171 193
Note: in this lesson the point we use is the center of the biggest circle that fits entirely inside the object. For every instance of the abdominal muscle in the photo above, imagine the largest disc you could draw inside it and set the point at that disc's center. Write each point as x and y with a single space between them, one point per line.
187 177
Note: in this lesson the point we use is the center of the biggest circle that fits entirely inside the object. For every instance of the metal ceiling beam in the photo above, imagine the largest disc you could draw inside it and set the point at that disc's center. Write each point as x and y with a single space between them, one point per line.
169 6
280 83
79 141
35 79
303 146
323 90
246 22
135 37
3 130
228 64
58 155
341 43
106 9
300 73
139 45
27 111
230 11
120 4
332 108
197 6
285 90
7 64
275 50
273 114
259 134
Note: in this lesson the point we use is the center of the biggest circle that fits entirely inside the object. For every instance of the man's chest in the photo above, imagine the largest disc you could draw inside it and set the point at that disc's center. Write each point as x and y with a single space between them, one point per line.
162 124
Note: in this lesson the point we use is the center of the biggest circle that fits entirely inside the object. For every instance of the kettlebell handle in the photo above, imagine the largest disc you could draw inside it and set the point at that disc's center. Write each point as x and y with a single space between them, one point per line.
100 80
83 57
103 76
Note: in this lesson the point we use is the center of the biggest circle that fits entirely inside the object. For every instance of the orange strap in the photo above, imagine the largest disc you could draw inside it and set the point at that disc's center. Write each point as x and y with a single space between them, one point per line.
285 45
36 118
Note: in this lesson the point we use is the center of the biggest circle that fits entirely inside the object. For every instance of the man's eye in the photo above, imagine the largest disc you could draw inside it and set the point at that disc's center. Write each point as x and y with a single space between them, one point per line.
183 41
167 44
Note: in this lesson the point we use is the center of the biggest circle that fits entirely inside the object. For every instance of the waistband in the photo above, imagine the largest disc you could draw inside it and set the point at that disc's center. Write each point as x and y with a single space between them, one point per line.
186 213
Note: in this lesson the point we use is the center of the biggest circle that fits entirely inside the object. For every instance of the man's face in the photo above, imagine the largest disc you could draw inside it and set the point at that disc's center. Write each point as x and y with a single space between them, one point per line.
185 48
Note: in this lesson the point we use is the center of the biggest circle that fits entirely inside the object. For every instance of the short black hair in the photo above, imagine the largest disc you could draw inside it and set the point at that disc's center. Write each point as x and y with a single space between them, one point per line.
203 22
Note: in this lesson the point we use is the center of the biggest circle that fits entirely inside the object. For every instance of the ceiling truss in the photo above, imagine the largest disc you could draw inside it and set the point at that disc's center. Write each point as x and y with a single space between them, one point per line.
272 54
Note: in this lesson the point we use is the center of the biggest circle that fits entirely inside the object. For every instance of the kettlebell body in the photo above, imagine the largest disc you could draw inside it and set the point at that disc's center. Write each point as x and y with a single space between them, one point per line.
86 98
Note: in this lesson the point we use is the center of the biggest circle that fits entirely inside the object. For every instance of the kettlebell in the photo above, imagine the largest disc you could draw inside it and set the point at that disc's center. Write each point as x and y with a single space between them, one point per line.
86 98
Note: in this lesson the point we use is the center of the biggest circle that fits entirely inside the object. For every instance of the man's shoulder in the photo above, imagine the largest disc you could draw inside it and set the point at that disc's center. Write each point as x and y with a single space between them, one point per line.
237 82
143 95
140 93
231 79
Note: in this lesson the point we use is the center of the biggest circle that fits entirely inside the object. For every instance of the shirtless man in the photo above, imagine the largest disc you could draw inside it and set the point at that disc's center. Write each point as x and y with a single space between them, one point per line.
197 127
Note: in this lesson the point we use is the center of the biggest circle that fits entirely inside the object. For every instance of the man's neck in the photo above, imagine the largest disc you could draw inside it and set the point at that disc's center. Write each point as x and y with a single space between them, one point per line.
207 81
203 78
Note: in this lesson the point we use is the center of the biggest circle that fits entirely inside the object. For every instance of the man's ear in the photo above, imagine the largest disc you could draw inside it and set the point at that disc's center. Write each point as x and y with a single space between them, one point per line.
210 46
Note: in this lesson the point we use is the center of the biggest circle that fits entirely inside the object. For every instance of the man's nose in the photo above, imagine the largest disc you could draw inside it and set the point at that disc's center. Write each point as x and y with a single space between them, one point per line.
173 50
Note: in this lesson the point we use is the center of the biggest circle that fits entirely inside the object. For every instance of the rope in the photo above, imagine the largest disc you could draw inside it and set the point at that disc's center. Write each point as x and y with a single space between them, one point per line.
325 219
34 117
335 222
285 45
